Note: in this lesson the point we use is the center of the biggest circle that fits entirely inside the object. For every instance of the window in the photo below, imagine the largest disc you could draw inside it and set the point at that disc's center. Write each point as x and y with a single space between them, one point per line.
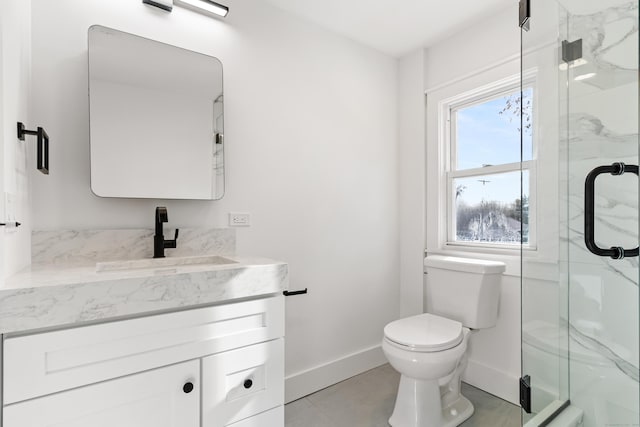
484 202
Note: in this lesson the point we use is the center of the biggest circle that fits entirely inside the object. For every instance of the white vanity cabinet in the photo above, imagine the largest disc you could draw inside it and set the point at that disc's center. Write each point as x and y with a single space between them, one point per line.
156 398
213 366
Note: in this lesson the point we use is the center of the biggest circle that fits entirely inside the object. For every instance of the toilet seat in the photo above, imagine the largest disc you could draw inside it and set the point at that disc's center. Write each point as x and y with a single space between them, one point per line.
424 333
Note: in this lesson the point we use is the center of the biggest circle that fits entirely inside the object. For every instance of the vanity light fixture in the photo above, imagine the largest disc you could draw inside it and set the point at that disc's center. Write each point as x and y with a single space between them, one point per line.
207 7
162 4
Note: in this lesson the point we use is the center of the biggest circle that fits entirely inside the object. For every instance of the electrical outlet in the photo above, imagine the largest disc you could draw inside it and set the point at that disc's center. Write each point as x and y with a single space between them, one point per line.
239 219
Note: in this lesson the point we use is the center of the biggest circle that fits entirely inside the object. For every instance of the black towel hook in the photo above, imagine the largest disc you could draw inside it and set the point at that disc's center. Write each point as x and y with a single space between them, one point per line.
42 154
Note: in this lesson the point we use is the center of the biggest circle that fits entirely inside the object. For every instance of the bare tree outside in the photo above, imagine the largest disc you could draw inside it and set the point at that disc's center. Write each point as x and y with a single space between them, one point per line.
515 106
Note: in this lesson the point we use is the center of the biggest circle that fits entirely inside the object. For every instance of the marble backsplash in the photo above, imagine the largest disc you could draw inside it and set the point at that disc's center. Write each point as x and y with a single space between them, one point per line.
99 245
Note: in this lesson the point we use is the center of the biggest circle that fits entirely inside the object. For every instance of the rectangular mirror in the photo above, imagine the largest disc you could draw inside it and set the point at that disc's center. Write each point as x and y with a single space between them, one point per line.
156 119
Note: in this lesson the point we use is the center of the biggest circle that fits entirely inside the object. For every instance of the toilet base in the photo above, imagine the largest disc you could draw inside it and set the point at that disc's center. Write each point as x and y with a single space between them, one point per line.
418 404
457 413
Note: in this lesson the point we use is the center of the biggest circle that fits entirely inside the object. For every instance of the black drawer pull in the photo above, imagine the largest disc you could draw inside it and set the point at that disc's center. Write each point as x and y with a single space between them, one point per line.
187 387
248 383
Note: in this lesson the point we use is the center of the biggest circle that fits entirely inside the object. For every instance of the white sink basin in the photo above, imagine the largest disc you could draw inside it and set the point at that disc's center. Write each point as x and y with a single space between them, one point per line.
162 262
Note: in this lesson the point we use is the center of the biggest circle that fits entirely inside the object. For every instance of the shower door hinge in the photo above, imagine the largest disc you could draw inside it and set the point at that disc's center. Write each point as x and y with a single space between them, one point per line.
525 393
525 14
571 51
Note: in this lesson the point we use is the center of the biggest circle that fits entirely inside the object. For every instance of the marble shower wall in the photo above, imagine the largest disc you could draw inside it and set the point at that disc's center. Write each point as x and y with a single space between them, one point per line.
602 128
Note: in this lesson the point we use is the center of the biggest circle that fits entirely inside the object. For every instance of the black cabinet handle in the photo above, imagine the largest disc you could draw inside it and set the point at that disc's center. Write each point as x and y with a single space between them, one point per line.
615 252
248 383
187 387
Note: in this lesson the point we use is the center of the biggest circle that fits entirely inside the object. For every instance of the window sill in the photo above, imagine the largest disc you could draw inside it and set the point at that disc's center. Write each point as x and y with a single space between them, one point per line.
488 247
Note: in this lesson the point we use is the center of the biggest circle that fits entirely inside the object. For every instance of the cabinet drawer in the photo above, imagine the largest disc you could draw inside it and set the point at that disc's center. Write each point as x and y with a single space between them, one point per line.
240 383
155 398
272 418
40 364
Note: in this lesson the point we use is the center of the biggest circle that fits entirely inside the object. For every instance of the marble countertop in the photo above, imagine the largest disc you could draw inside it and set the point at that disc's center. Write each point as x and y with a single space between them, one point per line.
56 295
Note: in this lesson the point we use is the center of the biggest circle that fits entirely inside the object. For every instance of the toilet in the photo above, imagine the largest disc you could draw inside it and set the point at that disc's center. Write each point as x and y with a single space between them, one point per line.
430 350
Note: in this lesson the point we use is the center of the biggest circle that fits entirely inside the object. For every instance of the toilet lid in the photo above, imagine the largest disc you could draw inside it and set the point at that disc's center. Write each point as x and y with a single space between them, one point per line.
425 332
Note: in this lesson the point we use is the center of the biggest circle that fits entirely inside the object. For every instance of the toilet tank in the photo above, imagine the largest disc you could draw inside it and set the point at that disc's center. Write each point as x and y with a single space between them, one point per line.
463 289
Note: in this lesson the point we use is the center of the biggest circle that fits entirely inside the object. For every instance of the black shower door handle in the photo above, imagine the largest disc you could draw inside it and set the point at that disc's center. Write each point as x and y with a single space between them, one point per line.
615 252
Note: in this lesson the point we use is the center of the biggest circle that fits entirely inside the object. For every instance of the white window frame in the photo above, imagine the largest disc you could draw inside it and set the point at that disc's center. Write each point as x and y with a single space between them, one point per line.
476 96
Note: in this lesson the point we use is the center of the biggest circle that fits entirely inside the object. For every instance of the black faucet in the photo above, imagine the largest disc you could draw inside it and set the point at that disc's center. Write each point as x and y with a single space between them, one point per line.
159 244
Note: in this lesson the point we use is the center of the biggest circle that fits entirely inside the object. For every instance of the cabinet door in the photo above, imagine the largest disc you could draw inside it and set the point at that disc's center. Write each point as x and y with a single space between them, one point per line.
240 383
157 398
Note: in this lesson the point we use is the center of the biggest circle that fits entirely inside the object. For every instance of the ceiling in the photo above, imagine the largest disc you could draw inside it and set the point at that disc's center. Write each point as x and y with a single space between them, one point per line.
395 27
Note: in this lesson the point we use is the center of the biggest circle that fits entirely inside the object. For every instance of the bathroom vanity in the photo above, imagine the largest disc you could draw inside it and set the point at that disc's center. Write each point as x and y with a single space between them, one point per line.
187 341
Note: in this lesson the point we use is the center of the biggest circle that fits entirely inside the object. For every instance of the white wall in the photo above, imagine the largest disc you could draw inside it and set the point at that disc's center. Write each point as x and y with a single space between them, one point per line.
411 191
485 44
310 127
15 66
3 214
494 363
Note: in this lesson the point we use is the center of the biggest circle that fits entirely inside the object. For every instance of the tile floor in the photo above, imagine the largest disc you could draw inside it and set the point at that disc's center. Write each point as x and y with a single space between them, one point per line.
367 400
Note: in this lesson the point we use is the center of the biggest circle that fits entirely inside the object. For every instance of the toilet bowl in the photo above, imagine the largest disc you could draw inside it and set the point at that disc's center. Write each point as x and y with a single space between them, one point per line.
430 350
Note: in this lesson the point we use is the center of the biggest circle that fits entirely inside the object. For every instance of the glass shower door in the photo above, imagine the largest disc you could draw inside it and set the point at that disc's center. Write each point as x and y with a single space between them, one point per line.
580 320
544 276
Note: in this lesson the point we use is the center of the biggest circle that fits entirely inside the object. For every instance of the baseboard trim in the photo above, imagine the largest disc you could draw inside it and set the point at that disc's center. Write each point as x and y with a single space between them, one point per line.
311 380
493 381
